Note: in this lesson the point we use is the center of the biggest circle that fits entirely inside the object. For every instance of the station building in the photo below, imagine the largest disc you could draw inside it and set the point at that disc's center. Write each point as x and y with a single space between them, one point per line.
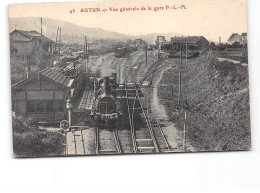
42 96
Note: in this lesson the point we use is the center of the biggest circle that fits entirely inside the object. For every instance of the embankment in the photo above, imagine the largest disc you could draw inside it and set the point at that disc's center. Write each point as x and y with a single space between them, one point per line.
216 97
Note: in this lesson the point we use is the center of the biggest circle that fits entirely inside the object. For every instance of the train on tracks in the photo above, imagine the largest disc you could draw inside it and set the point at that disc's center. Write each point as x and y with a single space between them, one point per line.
105 110
124 52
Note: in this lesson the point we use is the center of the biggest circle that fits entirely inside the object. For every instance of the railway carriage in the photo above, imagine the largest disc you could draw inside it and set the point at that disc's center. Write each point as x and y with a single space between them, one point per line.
124 52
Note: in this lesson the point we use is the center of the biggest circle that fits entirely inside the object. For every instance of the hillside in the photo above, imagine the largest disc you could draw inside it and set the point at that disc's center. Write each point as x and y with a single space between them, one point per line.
73 33
215 96
70 32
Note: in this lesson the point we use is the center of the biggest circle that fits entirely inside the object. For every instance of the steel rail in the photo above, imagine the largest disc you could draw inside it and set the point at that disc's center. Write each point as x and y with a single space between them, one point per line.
151 72
163 135
74 140
82 139
117 142
147 119
137 62
157 121
130 119
97 139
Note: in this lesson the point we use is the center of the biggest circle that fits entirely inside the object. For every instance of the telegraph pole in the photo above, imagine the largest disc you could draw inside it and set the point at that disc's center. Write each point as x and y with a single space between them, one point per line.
186 54
179 99
84 49
119 72
57 36
146 57
184 131
41 26
59 39
86 46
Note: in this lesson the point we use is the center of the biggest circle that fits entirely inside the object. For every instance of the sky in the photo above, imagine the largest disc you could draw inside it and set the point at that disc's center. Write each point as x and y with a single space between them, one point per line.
209 18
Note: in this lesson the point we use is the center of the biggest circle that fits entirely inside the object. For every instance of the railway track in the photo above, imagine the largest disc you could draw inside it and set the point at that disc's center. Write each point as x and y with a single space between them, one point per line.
157 127
145 136
107 141
149 137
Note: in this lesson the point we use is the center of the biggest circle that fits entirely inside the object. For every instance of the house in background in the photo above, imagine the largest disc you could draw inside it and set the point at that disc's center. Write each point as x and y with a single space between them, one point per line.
24 43
235 37
198 42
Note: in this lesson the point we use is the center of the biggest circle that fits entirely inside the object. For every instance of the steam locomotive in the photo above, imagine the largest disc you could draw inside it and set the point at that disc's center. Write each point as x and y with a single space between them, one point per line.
105 110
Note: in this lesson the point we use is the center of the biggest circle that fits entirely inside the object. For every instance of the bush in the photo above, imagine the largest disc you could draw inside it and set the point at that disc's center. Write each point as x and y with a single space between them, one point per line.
30 141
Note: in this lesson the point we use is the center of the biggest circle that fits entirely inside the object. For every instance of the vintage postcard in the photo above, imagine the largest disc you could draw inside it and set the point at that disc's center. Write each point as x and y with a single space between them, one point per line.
129 77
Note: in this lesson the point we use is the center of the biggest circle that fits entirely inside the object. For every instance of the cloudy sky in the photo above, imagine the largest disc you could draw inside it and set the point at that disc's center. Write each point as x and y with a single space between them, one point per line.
210 18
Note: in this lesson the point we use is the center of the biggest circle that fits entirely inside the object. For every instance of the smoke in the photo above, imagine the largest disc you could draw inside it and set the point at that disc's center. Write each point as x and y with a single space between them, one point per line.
106 71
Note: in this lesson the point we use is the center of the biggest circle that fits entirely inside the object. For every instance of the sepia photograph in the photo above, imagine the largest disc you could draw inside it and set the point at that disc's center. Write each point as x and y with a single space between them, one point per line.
129 77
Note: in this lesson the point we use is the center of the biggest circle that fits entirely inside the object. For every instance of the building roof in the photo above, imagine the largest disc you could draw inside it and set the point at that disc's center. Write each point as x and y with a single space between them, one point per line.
51 74
189 39
33 35
56 76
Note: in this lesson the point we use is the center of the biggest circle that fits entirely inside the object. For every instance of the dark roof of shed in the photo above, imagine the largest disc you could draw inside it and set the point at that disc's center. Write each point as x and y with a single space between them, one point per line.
28 33
51 74
189 39
58 77
34 35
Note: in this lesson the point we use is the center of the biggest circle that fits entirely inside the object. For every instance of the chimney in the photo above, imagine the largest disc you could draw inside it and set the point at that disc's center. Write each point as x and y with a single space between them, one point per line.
219 40
106 86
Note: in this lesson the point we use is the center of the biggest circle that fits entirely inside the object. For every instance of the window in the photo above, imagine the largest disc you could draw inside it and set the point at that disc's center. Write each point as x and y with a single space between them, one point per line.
59 105
32 106
48 106
40 106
